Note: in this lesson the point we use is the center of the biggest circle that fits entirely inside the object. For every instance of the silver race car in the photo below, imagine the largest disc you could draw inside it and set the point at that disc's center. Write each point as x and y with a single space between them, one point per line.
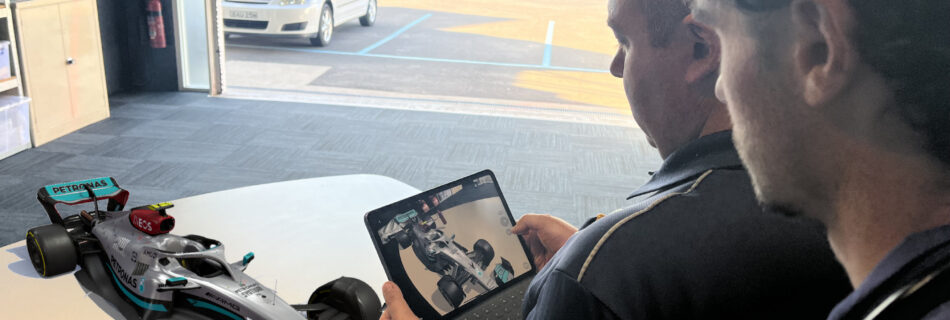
129 259
440 253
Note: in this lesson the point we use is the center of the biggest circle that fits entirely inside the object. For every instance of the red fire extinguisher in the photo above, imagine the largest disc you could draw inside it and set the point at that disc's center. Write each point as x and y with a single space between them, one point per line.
156 25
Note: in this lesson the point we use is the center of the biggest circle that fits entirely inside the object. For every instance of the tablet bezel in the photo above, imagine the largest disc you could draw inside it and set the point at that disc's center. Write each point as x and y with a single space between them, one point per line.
423 308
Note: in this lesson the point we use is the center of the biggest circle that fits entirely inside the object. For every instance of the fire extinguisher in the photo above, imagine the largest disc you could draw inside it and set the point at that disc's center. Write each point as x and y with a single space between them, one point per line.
156 25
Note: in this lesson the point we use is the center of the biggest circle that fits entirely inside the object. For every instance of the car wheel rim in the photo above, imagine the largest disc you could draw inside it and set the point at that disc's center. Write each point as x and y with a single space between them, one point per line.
34 255
327 24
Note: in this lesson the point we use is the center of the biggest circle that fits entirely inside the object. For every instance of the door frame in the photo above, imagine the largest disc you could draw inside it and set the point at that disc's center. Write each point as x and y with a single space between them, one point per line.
214 25
215 47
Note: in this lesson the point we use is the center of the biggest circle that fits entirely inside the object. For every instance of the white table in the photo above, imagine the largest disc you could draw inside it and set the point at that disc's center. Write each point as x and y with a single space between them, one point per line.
303 233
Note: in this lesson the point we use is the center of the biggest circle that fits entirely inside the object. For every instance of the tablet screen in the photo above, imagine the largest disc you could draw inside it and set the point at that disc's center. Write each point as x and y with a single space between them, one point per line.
448 246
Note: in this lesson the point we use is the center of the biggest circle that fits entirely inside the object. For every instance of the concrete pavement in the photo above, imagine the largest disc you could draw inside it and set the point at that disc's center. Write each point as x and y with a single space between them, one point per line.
468 50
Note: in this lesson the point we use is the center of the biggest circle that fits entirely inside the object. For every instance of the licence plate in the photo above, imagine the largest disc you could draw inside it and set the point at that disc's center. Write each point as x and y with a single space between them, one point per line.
244 14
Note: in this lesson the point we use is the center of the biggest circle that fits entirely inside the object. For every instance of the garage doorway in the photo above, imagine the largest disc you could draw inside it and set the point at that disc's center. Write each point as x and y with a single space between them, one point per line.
531 59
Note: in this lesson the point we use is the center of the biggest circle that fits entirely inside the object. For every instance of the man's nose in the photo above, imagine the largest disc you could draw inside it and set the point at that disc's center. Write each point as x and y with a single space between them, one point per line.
720 90
616 66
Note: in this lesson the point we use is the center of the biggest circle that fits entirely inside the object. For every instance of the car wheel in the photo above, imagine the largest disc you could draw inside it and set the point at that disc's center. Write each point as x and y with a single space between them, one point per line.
370 17
52 251
325 29
352 297
451 291
484 252
504 272
403 239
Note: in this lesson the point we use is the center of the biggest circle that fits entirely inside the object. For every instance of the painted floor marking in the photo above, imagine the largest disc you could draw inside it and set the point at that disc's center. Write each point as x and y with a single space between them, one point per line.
372 55
395 34
547 44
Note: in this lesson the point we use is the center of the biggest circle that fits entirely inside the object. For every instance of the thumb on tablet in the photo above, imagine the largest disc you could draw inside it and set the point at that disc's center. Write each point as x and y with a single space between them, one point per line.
526 223
396 307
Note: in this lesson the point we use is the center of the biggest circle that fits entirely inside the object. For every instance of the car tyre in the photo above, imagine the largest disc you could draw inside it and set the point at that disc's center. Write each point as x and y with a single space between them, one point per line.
349 296
51 250
325 29
403 239
369 18
504 266
484 252
451 291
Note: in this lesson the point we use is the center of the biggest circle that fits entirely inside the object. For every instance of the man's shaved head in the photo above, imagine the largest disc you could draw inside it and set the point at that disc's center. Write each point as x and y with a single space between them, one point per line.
668 72
662 18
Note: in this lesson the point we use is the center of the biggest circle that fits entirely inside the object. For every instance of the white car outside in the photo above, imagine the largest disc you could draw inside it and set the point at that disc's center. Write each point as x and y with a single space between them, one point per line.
313 19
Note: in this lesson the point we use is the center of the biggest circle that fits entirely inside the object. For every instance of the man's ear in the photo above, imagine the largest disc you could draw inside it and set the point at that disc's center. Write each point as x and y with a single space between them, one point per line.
824 54
706 52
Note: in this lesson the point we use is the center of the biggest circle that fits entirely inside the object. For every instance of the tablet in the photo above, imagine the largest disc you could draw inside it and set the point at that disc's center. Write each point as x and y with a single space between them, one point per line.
451 247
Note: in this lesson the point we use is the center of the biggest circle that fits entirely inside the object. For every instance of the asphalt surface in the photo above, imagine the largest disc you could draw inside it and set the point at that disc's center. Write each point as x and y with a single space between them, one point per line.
424 59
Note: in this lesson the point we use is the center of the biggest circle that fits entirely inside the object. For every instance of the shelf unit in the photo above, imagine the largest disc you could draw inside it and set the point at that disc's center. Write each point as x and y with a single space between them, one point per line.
12 86
61 67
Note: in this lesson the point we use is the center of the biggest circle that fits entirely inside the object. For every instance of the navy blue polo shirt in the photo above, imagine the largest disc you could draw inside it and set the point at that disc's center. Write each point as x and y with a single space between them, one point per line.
698 247
911 282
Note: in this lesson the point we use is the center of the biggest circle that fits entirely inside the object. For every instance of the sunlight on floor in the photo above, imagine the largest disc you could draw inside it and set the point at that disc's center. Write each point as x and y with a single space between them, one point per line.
599 89
578 24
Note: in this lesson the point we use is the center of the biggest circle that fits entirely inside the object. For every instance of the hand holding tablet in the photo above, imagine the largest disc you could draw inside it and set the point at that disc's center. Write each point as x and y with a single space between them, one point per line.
451 248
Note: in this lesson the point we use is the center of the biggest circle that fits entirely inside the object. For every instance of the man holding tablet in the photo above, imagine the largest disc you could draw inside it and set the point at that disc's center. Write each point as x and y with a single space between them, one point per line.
697 245
452 251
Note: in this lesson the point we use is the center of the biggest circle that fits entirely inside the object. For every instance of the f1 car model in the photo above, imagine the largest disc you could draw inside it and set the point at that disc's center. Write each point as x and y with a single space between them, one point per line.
441 254
130 259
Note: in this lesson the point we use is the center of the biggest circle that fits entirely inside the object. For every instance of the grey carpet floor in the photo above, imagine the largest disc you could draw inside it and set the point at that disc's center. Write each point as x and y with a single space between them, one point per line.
164 146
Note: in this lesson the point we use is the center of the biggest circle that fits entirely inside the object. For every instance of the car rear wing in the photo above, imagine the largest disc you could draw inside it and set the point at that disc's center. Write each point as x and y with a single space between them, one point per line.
74 193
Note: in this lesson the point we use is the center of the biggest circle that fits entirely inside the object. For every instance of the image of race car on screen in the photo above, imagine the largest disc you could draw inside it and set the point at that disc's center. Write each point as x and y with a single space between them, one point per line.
129 260
466 267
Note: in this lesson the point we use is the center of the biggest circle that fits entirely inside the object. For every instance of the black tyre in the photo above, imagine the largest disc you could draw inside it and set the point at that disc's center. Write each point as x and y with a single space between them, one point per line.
483 252
403 239
345 295
52 251
451 291
369 18
504 272
325 29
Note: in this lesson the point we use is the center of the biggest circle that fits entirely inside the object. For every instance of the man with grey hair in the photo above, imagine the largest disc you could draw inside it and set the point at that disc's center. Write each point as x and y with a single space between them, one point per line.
697 246
841 111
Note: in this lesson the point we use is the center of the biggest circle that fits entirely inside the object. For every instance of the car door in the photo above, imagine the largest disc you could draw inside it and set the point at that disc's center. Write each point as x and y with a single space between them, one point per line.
347 10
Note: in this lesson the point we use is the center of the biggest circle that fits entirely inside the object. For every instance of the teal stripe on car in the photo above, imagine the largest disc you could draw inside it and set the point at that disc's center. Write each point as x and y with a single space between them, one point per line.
136 300
205 305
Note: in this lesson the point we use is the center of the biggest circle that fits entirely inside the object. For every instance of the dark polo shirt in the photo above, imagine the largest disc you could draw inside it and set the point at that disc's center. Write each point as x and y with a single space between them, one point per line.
911 282
699 247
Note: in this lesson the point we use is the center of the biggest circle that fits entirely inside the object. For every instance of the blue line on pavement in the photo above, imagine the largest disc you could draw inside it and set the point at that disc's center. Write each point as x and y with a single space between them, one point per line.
395 34
546 61
487 63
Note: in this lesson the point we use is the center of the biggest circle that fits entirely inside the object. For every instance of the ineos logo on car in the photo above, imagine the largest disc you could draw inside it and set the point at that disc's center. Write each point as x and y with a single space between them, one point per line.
143 224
